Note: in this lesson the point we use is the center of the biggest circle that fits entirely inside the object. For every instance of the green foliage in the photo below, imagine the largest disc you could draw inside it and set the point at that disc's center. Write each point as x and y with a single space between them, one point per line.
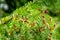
53 6
30 22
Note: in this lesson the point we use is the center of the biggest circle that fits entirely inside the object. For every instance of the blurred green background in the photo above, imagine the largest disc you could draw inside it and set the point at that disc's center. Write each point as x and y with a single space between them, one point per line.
8 6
